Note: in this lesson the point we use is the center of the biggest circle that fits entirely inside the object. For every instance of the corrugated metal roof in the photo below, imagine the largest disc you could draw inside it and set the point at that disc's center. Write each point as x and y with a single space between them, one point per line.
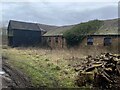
23 25
58 31
110 27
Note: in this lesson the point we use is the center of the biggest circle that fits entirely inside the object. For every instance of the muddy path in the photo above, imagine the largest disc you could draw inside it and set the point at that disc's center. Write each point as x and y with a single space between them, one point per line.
13 78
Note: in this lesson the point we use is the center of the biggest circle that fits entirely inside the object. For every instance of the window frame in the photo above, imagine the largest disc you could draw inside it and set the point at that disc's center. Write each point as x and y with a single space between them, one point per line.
56 39
49 39
108 41
90 42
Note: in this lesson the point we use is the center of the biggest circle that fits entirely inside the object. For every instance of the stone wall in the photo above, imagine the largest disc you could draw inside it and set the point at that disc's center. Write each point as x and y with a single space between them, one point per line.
99 40
98 44
55 41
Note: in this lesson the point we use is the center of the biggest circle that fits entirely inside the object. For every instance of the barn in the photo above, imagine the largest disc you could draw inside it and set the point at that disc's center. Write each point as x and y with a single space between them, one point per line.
107 36
58 41
54 38
23 33
101 40
54 41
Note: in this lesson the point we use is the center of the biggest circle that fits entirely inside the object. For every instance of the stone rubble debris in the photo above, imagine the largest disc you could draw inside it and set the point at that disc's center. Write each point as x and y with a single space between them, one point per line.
103 71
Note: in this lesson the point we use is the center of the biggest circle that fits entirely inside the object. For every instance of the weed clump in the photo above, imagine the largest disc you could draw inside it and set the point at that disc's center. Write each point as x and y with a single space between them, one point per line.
46 59
56 68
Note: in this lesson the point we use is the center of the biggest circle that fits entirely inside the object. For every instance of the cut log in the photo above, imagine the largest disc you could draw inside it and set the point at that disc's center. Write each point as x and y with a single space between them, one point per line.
89 69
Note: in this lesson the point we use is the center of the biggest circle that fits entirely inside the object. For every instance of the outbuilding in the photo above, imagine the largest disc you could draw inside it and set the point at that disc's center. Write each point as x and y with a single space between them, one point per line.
54 41
23 33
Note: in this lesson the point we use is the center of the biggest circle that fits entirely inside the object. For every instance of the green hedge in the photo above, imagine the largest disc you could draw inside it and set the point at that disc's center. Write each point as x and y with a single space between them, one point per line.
75 35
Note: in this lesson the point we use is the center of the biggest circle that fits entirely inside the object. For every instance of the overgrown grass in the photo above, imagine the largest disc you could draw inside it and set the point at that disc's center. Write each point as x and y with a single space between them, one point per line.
42 66
49 68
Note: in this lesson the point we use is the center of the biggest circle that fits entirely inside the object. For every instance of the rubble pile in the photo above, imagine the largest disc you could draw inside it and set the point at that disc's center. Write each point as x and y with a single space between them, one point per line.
103 71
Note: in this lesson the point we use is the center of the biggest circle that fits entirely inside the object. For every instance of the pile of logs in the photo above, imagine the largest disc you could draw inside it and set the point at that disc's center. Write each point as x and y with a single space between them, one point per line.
103 71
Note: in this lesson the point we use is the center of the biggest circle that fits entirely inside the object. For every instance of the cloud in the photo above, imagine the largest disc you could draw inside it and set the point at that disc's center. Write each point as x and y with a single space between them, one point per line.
58 13
60 0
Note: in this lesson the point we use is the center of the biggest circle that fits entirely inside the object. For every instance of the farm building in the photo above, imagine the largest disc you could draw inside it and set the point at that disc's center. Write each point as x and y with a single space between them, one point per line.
58 41
101 40
54 38
23 33
107 35
54 41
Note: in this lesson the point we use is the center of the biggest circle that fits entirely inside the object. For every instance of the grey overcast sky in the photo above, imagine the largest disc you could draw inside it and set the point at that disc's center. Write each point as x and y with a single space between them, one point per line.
58 13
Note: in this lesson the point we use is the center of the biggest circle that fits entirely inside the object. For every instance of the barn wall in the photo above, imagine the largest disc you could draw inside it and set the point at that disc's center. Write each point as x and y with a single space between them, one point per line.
51 42
98 45
26 37
99 40
96 41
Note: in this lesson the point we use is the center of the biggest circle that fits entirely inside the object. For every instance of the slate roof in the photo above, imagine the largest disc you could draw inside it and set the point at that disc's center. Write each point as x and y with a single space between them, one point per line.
24 25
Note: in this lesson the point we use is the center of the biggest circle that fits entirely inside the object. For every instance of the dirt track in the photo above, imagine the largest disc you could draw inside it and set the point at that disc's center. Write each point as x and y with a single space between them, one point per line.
14 78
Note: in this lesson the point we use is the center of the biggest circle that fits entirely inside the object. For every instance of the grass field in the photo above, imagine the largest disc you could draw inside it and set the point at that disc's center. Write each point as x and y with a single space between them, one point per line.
49 68
44 67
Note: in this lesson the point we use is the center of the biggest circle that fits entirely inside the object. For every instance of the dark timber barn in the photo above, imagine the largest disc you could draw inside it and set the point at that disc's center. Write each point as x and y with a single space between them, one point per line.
23 33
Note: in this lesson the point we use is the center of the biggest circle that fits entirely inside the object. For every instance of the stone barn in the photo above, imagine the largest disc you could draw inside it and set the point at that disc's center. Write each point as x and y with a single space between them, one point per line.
23 33
105 37
98 41
54 41
101 40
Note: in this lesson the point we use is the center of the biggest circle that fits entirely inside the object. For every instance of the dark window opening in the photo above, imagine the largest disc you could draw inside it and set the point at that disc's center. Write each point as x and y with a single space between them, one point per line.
56 39
107 41
90 41
49 39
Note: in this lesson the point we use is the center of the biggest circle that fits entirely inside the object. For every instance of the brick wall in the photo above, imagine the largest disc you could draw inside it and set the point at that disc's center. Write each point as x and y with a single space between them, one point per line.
56 42
98 43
